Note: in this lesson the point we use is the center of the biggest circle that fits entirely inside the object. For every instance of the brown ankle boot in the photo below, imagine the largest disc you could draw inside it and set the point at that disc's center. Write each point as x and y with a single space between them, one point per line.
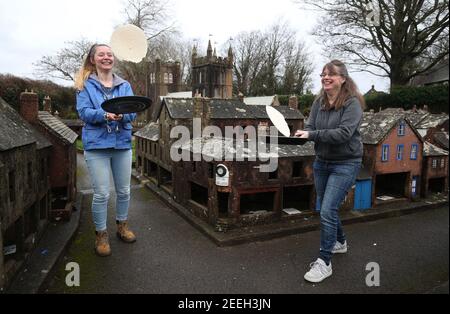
124 233
102 247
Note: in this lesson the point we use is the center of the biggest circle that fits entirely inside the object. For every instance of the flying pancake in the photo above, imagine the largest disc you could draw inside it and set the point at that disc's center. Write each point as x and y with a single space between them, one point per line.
129 43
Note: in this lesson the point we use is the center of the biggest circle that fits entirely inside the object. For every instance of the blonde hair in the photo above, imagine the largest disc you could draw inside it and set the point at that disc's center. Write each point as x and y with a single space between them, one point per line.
348 88
87 68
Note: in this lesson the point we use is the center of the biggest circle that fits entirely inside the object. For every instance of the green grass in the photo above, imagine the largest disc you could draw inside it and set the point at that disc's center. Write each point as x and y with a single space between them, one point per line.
79 144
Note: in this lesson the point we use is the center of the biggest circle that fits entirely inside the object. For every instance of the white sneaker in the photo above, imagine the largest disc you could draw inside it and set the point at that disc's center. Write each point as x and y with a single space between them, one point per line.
319 271
339 247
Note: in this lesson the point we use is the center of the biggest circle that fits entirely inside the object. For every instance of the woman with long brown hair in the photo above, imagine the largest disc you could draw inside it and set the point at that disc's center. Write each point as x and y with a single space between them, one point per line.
333 125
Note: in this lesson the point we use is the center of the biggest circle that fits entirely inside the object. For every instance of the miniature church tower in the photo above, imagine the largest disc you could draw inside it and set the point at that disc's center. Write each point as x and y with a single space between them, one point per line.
212 76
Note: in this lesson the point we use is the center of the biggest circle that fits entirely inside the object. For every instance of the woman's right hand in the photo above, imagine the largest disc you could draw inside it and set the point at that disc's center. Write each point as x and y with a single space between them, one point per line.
113 116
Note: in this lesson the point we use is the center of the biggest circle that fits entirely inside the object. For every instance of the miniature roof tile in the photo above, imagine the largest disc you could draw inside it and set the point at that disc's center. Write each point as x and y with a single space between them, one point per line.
41 140
182 108
262 101
149 132
376 126
14 130
432 150
73 122
416 117
442 139
57 127
179 108
432 120
221 148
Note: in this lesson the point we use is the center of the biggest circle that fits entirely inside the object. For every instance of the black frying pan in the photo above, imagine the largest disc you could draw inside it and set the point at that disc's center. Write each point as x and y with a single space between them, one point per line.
283 140
126 104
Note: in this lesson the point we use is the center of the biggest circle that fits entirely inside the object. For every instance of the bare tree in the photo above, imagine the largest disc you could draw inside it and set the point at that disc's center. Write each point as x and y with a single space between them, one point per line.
153 18
150 15
399 38
297 69
270 62
65 63
249 58
279 37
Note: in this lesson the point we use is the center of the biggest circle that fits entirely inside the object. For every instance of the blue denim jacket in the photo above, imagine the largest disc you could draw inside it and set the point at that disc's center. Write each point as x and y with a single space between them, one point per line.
97 132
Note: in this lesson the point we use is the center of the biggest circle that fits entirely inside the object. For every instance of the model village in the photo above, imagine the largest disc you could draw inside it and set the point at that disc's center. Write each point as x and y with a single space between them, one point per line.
405 158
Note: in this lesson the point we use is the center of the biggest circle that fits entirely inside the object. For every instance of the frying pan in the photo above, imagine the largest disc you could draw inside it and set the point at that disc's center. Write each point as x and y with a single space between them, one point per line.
280 123
283 140
126 104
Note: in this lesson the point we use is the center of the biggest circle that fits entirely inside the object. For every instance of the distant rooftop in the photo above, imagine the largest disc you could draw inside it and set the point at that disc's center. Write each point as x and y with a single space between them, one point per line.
57 127
432 150
182 108
14 130
375 126
218 148
262 101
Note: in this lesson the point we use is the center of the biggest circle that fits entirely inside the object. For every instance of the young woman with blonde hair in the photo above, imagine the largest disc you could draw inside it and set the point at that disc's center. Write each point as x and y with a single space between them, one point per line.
106 140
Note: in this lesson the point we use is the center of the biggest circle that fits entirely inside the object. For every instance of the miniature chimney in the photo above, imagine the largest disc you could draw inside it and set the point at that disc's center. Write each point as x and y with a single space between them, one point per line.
202 110
29 106
293 102
241 97
47 104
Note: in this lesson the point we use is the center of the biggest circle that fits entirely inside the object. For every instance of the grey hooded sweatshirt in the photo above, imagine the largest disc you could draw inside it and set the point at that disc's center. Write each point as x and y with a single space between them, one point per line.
336 133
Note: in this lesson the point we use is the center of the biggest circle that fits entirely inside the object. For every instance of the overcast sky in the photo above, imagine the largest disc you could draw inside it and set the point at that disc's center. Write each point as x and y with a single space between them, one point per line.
30 29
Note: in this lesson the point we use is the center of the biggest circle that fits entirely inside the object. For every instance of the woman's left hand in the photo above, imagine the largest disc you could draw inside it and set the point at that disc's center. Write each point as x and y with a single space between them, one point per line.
118 117
301 134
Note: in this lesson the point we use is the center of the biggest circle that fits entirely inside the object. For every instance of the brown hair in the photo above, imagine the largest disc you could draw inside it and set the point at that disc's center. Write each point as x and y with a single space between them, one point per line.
348 88
87 68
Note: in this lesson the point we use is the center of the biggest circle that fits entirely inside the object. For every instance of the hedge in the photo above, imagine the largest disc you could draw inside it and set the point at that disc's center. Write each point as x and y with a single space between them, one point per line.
406 97
63 98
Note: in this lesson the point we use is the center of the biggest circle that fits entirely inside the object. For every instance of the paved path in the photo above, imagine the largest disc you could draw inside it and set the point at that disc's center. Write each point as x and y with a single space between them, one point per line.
171 256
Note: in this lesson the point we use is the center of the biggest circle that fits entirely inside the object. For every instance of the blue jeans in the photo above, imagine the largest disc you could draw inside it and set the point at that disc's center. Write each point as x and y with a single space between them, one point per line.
99 163
332 181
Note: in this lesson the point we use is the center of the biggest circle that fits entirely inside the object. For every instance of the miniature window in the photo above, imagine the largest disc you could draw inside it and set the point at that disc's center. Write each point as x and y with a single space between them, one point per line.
273 175
442 163
434 164
170 78
401 129
414 148
297 169
30 175
385 153
400 149
12 186
43 163
166 78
